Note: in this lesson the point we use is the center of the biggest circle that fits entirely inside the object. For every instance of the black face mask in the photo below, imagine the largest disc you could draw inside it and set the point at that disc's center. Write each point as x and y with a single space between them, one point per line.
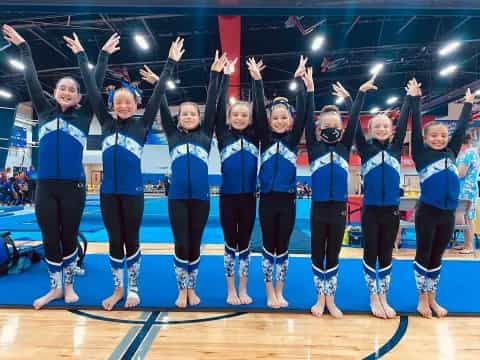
331 135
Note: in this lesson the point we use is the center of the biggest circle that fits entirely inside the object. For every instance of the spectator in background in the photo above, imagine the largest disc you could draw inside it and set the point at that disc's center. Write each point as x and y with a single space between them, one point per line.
32 183
160 185
468 164
9 172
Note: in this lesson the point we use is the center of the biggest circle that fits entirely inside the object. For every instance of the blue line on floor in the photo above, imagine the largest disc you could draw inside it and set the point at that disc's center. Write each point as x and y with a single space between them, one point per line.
132 349
394 340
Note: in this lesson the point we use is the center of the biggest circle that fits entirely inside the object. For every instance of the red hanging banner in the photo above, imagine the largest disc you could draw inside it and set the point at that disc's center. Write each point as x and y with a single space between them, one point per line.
230 30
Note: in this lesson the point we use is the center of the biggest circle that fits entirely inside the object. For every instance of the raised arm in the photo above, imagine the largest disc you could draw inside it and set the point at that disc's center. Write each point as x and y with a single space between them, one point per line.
458 135
417 138
401 128
40 102
340 92
158 98
221 127
309 108
153 104
258 98
354 117
299 124
110 47
94 95
212 93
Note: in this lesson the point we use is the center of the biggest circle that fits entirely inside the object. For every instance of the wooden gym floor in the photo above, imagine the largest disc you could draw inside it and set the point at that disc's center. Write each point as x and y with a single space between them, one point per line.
63 334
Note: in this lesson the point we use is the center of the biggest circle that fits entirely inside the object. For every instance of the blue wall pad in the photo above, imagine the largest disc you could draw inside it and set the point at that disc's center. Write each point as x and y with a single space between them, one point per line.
158 288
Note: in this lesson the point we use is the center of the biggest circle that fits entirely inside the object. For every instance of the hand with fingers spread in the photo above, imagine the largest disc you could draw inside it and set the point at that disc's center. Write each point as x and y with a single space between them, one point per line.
255 69
11 35
176 50
301 67
308 79
111 46
339 91
74 44
229 67
414 88
219 62
369 85
148 75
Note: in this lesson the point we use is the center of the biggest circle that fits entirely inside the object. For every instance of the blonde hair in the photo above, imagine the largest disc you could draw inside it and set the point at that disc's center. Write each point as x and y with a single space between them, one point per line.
237 104
432 124
376 117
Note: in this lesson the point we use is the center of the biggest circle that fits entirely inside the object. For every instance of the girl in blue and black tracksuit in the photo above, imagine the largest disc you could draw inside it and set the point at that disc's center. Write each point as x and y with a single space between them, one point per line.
238 146
121 193
381 158
329 147
439 184
277 183
60 198
189 142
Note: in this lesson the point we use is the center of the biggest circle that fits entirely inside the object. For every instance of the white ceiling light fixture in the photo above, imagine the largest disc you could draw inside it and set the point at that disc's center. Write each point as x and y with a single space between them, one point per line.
449 48
317 42
141 41
449 70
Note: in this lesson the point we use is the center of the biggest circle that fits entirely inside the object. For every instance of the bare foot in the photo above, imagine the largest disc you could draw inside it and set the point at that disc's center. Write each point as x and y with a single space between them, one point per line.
439 310
192 297
389 311
53 294
423 306
133 299
113 299
245 299
232 297
181 301
282 302
70 294
319 307
332 308
272 301
376 307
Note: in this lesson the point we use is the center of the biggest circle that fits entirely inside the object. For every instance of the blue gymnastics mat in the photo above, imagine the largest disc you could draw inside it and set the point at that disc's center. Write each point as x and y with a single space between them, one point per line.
158 288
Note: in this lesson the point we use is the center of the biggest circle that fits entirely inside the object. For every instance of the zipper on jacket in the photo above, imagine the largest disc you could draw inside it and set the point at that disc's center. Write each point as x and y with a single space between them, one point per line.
446 182
331 175
383 178
115 170
188 172
243 164
275 167
57 153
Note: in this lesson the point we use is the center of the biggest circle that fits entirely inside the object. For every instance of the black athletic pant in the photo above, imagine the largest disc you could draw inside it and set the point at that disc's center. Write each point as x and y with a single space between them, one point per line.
122 216
327 225
188 219
59 207
434 229
379 228
277 218
237 216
